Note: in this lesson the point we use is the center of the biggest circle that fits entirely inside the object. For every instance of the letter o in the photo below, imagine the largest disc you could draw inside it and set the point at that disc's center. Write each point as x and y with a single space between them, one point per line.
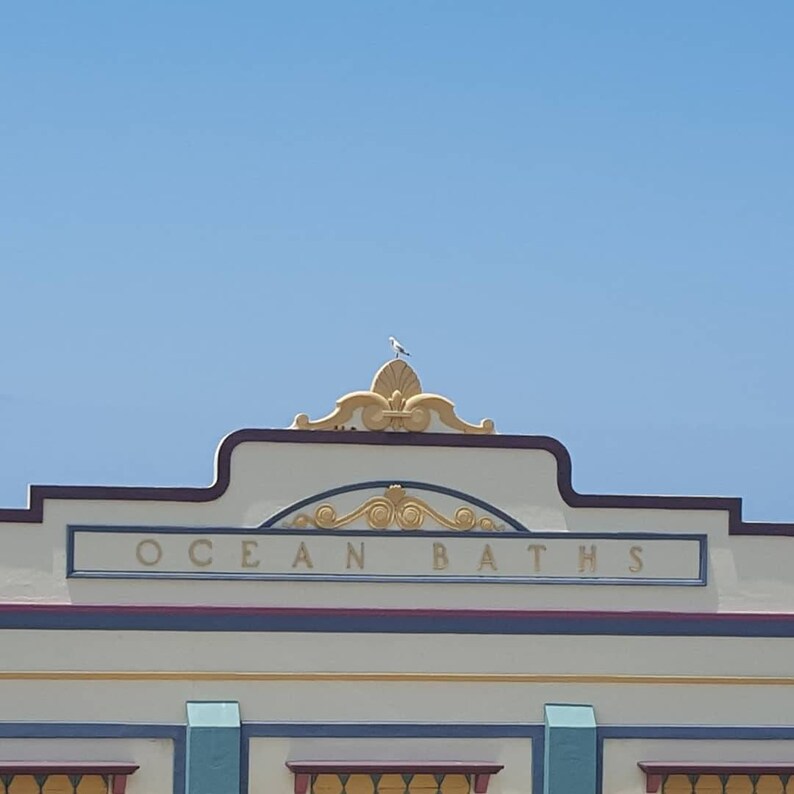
149 559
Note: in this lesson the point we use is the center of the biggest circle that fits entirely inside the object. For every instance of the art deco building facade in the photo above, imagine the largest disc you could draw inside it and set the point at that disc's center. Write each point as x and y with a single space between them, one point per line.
391 600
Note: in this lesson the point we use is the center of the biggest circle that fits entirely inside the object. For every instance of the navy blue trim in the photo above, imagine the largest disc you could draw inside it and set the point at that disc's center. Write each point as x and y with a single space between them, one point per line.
396 730
418 486
392 621
767 732
685 733
38 494
105 730
73 573
385 579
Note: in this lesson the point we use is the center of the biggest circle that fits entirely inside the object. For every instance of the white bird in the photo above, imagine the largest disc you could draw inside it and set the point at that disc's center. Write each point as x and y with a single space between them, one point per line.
397 348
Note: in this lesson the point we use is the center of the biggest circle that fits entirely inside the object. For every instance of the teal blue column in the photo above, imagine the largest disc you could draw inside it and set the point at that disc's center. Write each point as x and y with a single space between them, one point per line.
213 748
570 754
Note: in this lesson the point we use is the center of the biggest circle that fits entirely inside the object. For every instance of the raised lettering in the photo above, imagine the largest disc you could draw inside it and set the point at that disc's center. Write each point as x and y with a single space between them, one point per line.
587 559
151 557
487 558
634 553
440 559
355 556
200 562
536 549
248 547
303 557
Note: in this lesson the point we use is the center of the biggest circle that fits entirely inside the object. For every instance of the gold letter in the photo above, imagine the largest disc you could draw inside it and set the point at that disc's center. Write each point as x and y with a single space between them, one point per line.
154 559
351 556
191 552
440 559
587 559
303 557
248 547
487 559
536 549
634 553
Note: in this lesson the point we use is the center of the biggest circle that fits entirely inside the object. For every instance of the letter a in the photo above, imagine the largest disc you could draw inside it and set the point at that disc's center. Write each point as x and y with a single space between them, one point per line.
487 559
303 557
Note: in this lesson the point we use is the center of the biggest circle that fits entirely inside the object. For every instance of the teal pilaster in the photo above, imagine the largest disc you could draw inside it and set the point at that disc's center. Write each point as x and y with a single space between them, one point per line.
570 754
213 748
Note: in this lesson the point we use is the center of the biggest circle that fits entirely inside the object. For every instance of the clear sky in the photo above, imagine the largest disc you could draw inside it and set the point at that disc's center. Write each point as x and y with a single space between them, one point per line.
577 215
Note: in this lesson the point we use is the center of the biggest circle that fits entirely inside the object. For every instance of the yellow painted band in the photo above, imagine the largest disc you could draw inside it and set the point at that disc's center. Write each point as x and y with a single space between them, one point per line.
432 678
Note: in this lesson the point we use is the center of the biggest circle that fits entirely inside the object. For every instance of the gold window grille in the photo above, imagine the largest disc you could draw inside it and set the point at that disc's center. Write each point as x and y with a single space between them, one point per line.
27 777
390 783
691 778
54 784
358 777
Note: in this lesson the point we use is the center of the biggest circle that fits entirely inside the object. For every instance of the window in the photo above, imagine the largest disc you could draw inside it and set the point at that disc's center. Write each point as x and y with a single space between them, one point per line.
391 777
702 778
26 777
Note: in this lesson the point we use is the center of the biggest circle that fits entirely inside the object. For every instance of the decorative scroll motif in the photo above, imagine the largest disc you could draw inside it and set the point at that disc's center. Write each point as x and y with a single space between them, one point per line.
395 509
395 401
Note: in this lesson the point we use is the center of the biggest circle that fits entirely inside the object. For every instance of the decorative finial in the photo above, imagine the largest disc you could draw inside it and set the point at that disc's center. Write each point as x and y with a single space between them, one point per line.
395 401
397 348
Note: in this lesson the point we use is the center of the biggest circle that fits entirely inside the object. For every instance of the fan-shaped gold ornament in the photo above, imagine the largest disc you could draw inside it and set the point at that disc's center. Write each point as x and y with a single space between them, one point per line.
395 401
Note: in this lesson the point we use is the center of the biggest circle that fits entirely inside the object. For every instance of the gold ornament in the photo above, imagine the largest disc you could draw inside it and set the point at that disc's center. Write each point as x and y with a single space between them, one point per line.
395 401
394 509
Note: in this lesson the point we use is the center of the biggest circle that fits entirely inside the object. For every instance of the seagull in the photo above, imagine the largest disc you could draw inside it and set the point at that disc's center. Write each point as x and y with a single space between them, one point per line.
397 348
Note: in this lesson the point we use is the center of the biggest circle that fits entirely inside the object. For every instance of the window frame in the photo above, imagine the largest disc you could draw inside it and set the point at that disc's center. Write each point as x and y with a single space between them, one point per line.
657 771
116 772
480 771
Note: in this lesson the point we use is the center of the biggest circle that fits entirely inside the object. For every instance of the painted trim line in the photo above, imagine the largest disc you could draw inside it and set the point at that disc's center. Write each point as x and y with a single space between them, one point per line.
33 514
392 677
114 617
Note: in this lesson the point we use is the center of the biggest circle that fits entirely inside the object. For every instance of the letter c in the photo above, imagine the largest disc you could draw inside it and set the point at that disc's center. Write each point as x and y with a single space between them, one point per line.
199 561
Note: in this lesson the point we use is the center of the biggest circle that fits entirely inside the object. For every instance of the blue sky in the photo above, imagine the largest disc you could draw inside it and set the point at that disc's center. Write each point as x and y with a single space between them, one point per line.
577 215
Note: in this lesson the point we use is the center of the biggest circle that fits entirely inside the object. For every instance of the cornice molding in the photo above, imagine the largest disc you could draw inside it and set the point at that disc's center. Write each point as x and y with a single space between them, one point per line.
38 494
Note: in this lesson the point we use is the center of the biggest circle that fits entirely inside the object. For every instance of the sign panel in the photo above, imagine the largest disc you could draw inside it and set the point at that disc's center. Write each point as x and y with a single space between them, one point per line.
365 555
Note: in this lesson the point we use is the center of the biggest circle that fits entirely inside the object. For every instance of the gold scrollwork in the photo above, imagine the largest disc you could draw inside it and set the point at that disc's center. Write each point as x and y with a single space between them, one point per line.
395 402
394 509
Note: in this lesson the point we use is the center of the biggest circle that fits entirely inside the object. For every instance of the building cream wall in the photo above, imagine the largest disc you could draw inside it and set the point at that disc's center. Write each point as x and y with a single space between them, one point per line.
431 702
744 573
147 677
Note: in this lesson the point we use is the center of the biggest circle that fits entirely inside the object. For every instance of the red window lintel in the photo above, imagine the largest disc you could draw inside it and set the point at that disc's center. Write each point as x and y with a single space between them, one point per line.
117 772
482 771
656 771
